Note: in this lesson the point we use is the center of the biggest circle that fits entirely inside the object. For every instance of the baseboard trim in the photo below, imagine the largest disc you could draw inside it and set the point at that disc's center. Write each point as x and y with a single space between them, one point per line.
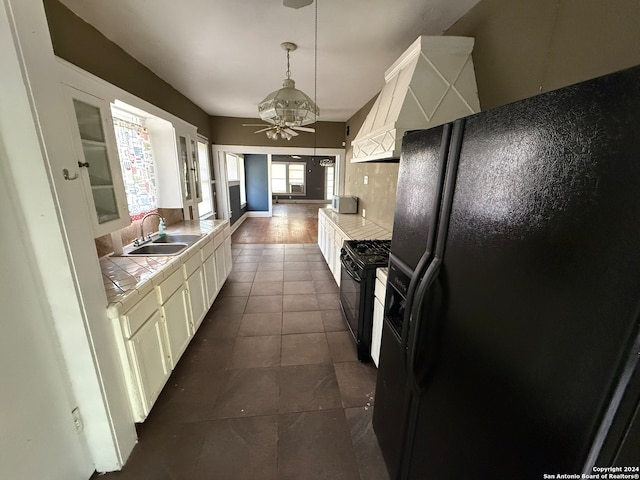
246 215
258 214
282 200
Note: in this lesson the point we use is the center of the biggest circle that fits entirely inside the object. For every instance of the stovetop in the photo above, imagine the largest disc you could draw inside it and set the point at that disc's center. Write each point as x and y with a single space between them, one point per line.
370 253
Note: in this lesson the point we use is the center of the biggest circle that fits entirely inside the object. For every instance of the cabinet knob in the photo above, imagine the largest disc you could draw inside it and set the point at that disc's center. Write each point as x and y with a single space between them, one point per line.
85 164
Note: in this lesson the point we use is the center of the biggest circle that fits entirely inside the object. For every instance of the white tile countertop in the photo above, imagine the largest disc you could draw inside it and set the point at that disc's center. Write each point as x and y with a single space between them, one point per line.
355 226
127 279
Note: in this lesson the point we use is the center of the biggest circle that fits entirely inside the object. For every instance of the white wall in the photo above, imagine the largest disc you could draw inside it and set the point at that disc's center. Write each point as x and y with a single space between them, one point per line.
38 438
35 141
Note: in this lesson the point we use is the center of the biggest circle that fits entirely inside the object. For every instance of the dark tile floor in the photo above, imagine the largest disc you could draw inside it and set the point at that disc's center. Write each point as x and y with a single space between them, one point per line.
270 386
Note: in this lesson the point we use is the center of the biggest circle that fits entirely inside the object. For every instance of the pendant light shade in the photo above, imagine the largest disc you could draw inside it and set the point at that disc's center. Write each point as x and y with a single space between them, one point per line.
288 106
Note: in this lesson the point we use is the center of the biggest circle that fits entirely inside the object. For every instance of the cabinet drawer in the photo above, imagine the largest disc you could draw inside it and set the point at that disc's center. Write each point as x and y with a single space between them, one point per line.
226 231
192 264
138 315
170 285
207 249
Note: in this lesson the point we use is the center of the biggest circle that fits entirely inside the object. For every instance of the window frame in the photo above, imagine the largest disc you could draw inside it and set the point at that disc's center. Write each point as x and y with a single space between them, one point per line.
288 179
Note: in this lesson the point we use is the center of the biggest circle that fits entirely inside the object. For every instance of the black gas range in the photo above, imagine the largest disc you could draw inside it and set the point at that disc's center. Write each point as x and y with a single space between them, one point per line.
359 259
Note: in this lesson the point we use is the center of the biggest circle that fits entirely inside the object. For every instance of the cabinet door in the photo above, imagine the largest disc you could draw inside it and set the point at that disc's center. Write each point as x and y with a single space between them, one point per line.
175 312
99 164
197 297
221 271
336 266
228 263
195 170
150 363
209 268
376 334
321 232
189 172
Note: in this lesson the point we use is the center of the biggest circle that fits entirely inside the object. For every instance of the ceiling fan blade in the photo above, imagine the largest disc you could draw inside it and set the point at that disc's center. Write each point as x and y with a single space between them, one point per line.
263 130
305 129
255 124
290 132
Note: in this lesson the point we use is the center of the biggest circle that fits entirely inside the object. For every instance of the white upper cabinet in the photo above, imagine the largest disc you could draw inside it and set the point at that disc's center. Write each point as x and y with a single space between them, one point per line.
98 162
186 140
92 104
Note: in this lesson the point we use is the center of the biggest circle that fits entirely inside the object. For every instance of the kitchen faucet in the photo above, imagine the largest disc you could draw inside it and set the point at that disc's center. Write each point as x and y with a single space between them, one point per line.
142 240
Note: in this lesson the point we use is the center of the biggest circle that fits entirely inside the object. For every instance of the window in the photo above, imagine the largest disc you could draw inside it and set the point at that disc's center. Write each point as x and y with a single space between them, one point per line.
288 178
136 161
235 175
329 181
232 168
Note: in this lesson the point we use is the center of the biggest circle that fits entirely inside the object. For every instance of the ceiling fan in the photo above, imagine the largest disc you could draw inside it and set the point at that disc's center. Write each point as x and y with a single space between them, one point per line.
283 131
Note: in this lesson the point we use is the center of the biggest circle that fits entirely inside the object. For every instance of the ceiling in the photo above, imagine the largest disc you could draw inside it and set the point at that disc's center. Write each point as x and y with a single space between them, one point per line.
225 55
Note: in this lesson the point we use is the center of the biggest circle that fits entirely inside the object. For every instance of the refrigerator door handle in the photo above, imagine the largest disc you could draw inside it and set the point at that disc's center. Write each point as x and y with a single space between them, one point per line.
413 284
421 341
427 340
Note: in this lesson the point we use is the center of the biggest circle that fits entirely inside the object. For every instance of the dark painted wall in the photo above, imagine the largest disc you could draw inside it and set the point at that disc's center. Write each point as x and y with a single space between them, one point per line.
256 174
79 43
315 177
234 200
229 131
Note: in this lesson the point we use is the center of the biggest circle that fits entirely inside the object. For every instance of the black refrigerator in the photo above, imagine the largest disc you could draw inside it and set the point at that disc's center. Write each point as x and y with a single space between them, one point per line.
510 342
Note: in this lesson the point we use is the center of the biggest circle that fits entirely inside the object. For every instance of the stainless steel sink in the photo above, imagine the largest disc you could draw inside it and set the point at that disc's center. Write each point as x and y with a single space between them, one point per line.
159 249
177 238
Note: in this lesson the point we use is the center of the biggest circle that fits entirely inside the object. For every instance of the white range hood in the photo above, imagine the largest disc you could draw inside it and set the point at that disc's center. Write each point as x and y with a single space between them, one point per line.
432 83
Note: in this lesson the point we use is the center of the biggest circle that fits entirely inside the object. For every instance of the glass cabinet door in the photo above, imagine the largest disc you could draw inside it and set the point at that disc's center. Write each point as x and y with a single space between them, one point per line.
97 157
189 170
185 167
195 168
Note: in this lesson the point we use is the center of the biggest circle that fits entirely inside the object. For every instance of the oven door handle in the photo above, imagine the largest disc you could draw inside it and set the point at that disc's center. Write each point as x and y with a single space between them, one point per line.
347 269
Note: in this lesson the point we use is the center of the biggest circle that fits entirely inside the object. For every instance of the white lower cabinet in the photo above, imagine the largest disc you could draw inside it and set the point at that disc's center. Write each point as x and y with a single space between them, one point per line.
154 331
227 257
330 241
209 272
142 347
173 298
150 362
336 268
197 297
221 269
197 289
175 312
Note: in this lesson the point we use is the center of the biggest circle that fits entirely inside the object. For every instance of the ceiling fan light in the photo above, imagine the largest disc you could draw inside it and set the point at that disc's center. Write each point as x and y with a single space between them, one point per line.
288 106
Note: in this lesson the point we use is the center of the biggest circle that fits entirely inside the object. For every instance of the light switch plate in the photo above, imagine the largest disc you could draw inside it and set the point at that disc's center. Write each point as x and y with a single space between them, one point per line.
366 179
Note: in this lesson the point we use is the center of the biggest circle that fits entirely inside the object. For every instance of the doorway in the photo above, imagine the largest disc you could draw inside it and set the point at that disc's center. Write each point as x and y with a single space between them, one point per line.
225 186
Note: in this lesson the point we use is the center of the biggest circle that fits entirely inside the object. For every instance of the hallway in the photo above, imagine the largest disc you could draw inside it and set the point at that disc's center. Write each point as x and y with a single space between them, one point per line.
270 387
291 223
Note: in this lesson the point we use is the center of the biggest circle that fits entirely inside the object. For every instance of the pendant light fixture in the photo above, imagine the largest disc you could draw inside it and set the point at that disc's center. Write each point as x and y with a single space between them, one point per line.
288 107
